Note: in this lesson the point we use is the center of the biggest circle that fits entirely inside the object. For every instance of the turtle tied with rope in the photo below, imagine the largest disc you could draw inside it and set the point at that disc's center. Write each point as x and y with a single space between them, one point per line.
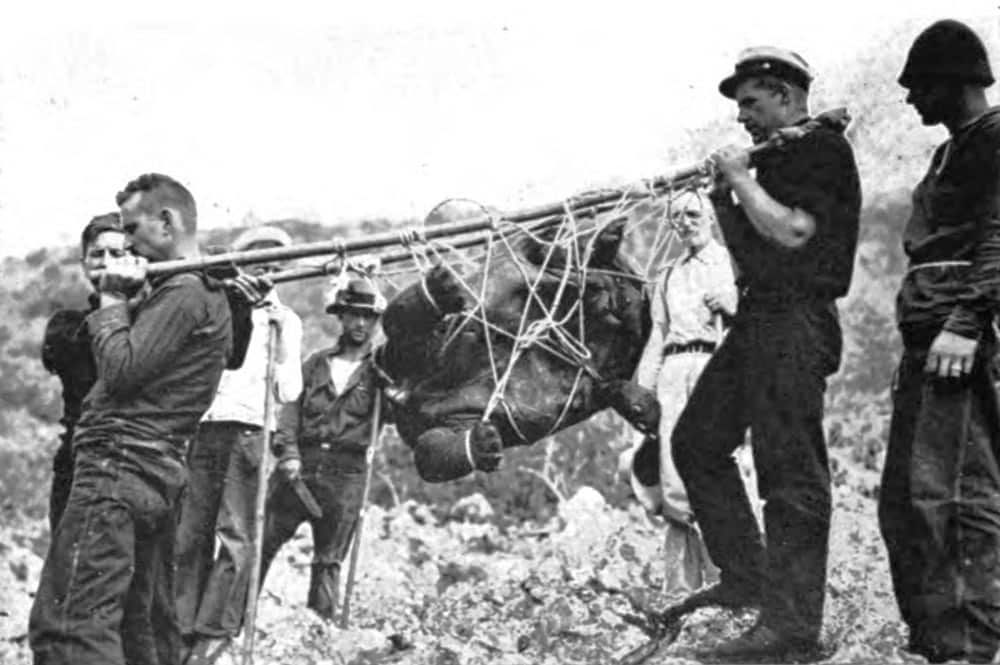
541 331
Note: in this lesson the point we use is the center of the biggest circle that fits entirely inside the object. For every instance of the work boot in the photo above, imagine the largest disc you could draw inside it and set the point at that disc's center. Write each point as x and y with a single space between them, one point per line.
763 644
728 596
324 588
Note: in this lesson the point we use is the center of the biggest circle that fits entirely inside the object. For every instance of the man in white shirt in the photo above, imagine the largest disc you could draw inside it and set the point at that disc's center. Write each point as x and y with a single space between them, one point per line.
223 462
691 298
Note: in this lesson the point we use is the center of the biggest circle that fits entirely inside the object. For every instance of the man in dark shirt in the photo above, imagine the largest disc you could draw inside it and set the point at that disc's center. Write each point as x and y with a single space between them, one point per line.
939 508
323 438
66 350
159 358
792 232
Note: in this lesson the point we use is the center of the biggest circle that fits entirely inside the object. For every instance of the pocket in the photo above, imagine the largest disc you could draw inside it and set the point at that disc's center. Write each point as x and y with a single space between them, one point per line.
358 402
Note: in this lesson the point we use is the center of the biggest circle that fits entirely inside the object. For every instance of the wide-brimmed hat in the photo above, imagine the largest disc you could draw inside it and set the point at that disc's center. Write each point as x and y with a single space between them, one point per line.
767 61
358 294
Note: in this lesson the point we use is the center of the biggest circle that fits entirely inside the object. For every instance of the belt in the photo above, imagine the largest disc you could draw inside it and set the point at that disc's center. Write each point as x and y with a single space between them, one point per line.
163 447
690 347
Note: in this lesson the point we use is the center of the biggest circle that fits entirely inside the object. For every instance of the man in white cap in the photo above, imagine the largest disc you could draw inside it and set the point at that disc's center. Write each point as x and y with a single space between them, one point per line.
792 229
223 461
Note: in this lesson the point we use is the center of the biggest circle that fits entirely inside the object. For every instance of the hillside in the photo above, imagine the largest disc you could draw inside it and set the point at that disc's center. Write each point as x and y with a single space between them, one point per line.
508 583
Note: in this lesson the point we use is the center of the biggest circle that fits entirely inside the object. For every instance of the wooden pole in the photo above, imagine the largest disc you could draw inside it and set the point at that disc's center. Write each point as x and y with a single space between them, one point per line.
359 527
578 205
250 614
391 258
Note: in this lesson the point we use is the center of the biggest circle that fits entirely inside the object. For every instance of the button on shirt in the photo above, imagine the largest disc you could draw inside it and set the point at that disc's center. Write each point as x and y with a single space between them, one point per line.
678 308
240 397
685 317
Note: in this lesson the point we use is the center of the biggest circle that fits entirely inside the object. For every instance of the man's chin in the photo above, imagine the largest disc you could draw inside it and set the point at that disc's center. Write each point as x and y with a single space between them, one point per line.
356 340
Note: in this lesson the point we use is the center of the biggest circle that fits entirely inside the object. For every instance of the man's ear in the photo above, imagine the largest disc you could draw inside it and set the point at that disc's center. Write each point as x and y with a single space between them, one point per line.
785 93
167 215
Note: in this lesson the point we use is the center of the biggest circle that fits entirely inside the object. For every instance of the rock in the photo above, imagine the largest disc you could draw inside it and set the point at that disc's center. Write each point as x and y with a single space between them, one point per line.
473 508
586 504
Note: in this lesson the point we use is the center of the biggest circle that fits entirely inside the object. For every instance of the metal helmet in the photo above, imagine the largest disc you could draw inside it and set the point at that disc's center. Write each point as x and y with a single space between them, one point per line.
947 49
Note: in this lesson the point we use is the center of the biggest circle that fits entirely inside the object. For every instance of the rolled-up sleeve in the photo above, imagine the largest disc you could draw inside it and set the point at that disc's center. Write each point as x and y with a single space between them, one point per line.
285 443
288 374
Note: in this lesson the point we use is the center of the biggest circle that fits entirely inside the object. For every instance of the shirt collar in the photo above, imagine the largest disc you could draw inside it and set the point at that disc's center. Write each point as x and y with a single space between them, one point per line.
703 255
338 348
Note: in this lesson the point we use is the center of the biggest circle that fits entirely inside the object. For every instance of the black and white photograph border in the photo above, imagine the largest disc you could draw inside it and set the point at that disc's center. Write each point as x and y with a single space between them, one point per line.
340 123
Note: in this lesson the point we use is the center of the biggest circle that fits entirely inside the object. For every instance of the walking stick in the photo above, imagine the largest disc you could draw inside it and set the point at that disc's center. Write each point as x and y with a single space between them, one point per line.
258 519
370 458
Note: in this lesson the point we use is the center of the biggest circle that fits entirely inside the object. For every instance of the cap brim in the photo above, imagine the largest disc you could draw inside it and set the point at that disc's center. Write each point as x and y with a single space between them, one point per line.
728 85
367 309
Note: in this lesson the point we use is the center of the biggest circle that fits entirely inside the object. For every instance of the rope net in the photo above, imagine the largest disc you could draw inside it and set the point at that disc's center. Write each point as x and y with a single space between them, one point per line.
555 324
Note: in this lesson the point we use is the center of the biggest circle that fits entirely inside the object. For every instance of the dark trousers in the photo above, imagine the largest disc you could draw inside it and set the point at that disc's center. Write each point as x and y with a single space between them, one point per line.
218 504
62 481
339 495
939 510
769 375
100 597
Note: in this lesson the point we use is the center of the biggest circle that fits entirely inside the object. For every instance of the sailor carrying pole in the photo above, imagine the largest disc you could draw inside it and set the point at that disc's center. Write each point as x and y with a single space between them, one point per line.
583 205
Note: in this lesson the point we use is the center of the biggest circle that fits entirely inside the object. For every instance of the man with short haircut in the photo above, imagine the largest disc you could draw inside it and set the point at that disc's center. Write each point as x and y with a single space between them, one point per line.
223 462
792 232
323 440
66 350
159 359
939 507
691 297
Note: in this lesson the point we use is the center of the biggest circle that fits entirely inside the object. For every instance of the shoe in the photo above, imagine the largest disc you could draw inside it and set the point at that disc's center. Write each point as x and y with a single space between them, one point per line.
207 650
728 596
763 644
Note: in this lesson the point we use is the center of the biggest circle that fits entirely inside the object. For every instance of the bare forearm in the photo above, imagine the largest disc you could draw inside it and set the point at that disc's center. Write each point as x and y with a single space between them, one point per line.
786 227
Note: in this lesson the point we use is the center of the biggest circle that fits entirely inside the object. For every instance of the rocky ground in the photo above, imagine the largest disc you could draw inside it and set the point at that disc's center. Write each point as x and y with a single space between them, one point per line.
461 589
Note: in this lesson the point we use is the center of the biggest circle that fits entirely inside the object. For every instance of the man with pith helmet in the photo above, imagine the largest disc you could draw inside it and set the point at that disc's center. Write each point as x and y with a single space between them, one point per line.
939 506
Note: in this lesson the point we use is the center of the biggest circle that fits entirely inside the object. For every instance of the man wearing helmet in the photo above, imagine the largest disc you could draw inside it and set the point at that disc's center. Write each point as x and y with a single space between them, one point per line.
222 461
939 508
322 439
